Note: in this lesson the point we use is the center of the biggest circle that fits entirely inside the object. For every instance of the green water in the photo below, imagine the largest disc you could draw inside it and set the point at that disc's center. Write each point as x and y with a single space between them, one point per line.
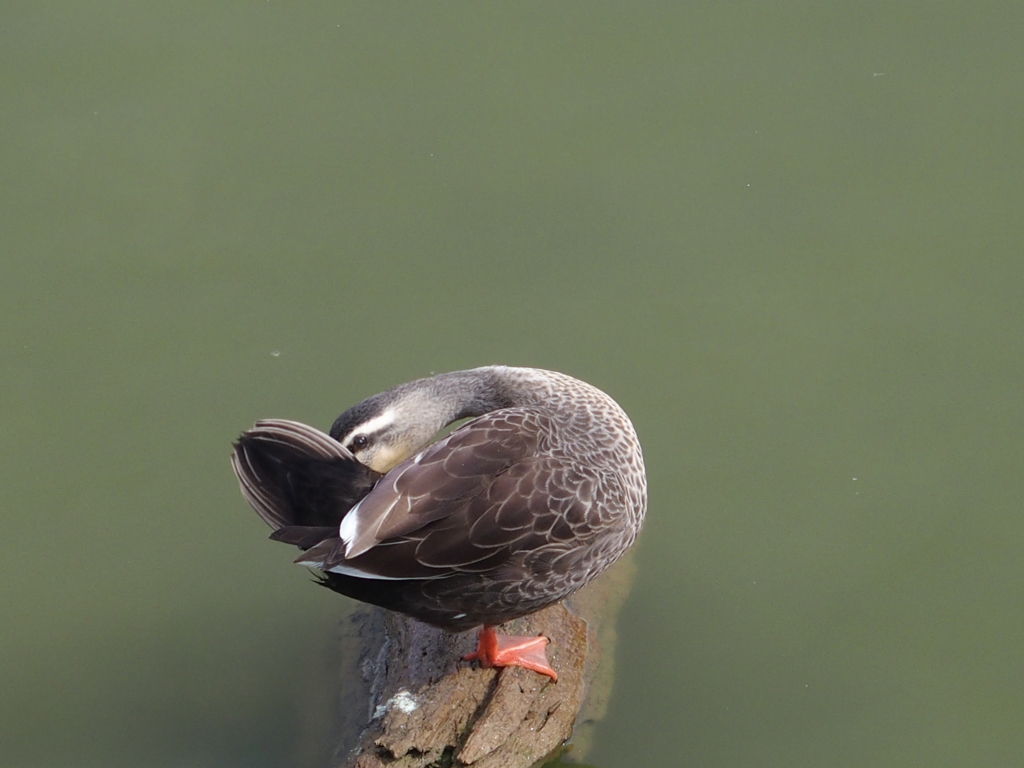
787 238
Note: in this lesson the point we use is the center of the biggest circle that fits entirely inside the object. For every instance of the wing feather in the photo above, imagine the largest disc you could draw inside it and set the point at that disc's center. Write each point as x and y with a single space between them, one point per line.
431 485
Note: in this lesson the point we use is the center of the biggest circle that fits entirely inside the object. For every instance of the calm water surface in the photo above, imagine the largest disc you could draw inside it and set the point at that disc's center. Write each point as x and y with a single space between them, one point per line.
788 240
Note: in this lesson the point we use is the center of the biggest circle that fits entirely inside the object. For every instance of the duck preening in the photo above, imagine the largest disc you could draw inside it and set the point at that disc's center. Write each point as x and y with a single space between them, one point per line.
514 510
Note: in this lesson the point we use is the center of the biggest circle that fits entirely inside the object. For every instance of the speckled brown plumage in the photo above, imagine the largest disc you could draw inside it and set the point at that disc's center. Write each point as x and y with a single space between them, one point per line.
511 512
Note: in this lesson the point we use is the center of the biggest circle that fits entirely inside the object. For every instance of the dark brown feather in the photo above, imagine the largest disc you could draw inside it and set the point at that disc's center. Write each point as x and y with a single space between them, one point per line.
432 485
294 475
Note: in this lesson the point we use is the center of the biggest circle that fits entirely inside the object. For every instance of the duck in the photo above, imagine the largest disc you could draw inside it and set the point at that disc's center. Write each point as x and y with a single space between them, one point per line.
537 490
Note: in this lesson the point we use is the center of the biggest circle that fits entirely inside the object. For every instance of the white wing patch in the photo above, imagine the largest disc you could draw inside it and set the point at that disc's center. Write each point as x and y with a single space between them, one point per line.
349 527
354 528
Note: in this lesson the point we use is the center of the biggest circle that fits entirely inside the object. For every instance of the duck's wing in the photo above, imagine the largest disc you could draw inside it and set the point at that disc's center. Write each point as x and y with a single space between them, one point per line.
432 485
540 513
466 504
293 475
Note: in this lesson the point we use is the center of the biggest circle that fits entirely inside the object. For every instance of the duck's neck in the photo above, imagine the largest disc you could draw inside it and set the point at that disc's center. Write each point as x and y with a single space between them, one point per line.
482 390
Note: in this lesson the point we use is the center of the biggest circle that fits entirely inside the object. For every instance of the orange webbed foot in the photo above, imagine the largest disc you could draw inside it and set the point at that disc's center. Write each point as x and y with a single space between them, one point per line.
494 650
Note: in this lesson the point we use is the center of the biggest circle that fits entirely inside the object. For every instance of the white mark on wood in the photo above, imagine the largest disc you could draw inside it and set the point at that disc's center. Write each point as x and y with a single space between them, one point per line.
403 701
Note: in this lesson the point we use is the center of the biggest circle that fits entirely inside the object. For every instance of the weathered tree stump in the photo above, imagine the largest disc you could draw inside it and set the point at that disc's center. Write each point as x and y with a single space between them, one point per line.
407 700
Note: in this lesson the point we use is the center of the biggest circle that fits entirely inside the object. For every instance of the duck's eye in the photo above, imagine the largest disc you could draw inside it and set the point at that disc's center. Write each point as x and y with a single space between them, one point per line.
358 442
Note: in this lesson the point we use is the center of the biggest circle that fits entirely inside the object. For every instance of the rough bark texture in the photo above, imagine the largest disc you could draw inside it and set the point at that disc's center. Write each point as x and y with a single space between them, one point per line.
407 700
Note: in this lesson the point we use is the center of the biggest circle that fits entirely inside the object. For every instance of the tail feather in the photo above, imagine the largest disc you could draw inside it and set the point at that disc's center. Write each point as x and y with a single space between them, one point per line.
295 476
304 536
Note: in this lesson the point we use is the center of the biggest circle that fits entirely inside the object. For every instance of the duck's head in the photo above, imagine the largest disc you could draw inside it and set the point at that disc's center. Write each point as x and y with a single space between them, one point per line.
382 432
386 429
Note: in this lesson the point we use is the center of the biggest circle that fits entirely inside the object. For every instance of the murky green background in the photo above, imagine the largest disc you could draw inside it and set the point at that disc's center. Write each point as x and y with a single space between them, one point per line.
787 237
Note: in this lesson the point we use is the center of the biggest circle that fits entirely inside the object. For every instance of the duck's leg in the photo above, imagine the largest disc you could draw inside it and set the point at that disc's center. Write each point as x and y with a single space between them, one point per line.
494 650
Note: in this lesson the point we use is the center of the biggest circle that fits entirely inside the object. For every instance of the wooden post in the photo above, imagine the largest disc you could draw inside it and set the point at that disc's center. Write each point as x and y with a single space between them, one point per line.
407 700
